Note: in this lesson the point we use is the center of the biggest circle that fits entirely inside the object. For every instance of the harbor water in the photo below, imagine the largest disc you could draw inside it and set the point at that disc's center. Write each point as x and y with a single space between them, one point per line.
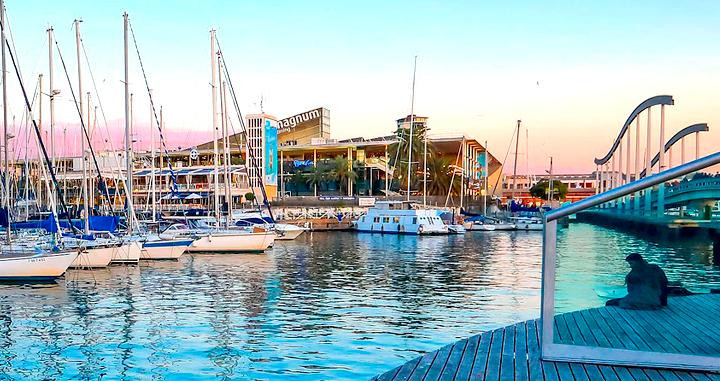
327 306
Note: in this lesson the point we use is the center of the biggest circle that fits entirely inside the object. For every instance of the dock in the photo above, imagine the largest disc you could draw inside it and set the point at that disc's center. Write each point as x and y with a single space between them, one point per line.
513 352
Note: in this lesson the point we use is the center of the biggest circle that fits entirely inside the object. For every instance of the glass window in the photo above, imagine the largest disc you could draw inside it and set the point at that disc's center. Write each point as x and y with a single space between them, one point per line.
396 220
414 219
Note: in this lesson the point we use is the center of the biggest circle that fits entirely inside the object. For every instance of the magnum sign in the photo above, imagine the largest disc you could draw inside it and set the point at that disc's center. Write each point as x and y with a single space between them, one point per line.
289 124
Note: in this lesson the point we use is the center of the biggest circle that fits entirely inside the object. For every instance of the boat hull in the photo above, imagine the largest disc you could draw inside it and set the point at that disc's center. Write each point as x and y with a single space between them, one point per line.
94 258
165 249
37 267
128 252
233 243
290 234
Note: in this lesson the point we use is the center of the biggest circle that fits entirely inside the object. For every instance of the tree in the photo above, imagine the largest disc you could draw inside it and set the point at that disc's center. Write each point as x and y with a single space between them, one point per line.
249 196
341 172
298 180
540 190
440 176
318 175
399 152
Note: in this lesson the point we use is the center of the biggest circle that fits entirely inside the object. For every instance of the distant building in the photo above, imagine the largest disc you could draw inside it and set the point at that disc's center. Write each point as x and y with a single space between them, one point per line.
579 185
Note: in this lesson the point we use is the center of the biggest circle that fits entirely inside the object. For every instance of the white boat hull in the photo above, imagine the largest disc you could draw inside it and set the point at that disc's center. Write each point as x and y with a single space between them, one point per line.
94 258
128 252
505 226
288 234
36 267
528 226
166 249
233 242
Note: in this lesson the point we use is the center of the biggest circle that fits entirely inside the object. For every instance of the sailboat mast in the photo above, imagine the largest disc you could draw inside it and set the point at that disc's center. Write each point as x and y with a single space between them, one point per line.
485 170
425 167
128 142
6 195
226 155
82 140
517 144
152 165
51 91
39 197
410 136
213 70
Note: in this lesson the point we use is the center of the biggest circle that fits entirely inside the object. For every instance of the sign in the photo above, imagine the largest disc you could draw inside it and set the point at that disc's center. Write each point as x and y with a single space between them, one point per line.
335 198
193 154
366 201
289 124
271 156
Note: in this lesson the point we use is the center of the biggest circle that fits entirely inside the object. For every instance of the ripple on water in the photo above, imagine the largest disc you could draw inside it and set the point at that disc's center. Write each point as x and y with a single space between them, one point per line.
327 306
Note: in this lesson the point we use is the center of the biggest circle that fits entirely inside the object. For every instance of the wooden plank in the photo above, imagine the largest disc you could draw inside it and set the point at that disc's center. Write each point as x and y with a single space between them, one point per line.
638 374
656 321
521 355
608 373
700 320
680 324
564 372
422 366
507 360
623 374
562 334
492 369
433 373
407 369
533 347
468 357
453 362
621 333
640 332
594 328
593 372
578 372
479 365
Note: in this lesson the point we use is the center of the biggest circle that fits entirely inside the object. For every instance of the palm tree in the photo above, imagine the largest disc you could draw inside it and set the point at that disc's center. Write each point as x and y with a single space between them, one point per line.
399 152
440 176
318 176
342 173
297 180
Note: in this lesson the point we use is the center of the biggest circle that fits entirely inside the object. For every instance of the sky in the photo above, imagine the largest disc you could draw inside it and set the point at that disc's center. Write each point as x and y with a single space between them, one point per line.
572 71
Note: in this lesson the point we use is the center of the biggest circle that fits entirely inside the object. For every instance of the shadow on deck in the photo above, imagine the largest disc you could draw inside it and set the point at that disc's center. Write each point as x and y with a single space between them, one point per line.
513 352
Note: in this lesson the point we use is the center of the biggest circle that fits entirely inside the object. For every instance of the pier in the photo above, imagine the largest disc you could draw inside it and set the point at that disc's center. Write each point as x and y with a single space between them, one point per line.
513 352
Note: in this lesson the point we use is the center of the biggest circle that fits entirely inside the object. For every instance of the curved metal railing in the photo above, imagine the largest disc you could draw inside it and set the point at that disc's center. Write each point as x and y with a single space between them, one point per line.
650 102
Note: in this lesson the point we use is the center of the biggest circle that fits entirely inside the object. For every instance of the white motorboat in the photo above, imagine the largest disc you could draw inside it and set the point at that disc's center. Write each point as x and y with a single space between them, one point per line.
34 266
456 229
287 232
528 223
479 226
399 217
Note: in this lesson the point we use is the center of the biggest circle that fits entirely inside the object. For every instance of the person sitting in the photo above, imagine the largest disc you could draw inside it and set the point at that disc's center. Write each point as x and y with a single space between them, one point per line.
647 286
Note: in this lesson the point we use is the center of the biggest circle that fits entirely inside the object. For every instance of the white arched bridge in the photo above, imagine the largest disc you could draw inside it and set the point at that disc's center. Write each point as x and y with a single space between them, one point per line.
629 160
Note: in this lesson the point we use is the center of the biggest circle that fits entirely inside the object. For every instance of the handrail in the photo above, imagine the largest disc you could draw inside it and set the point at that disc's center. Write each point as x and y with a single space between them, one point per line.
650 102
633 187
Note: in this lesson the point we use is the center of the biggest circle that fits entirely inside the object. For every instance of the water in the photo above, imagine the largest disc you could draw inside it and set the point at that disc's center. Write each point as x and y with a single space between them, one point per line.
326 306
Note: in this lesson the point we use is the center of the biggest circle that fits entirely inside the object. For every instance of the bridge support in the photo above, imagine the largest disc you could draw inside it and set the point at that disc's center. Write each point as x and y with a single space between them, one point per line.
661 200
716 249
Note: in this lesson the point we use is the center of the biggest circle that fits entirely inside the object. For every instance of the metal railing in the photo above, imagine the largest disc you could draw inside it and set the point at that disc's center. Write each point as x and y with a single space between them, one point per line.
635 186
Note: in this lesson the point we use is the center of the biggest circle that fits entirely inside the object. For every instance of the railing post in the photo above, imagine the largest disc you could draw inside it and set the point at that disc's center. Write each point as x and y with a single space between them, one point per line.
661 165
636 195
648 163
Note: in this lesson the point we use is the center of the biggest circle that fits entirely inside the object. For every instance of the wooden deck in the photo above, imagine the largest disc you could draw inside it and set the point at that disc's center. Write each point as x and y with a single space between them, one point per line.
688 325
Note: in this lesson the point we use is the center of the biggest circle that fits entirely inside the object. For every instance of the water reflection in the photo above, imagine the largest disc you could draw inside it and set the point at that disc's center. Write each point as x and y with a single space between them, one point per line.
326 306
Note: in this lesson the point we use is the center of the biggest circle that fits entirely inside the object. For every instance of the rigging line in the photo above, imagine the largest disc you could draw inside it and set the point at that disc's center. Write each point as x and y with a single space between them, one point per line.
244 128
502 165
173 189
105 123
101 181
42 144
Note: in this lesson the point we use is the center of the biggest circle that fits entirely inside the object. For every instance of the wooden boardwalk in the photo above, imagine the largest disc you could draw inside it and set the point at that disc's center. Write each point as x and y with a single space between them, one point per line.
688 325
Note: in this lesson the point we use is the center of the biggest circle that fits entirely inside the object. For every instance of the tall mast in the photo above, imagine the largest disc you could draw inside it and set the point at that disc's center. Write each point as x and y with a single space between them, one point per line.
51 92
410 136
214 128
6 195
39 192
128 142
82 140
226 155
517 144
424 166
152 165
487 166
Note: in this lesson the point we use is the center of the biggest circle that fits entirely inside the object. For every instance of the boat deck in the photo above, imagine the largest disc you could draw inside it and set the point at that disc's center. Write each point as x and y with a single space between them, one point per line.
513 352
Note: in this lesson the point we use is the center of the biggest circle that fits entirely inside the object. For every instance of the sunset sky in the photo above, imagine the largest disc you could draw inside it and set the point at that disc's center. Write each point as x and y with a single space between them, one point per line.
572 71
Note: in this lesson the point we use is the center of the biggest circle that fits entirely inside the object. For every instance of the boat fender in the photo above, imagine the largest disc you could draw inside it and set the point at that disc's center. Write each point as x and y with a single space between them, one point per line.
421 229
401 228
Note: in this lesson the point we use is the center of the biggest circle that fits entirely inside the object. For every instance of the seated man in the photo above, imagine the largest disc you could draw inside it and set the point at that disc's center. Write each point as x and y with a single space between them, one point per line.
647 286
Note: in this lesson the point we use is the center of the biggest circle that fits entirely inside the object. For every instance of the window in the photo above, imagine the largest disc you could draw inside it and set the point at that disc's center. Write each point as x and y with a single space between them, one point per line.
415 221
386 220
376 219
396 220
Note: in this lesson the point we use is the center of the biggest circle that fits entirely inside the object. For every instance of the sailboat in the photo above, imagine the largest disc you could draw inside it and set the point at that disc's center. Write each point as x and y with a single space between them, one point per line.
19 263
